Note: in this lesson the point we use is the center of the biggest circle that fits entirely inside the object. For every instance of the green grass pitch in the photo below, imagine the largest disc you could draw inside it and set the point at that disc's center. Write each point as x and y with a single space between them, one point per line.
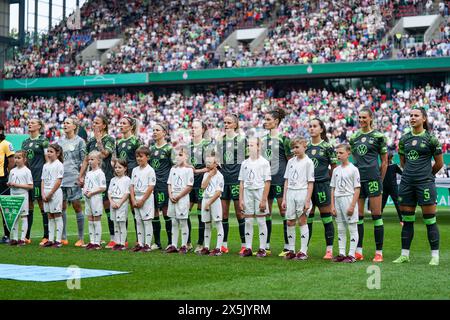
160 276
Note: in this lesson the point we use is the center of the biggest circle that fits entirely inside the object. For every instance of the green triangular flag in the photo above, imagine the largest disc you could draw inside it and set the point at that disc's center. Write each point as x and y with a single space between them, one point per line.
11 207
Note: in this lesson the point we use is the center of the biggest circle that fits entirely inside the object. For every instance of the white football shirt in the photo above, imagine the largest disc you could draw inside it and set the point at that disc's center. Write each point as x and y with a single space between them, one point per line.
299 172
20 176
215 184
255 173
345 180
51 172
94 180
118 187
180 178
142 178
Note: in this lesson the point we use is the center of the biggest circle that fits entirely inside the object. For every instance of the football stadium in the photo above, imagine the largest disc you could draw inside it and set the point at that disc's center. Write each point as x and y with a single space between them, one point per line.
225 150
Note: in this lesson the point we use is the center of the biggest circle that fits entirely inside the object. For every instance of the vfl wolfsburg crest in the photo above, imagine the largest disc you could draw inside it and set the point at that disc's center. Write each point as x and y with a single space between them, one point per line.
361 149
313 152
363 139
413 155
123 145
156 153
414 143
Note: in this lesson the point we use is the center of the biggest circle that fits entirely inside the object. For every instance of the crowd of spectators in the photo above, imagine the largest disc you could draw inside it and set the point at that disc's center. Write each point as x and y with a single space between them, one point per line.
161 36
337 109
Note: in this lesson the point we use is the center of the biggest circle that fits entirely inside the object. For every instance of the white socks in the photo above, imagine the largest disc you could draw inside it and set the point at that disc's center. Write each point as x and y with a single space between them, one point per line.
97 232
184 231
51 229
304 232
15 230
24 230
175 228
291 237
208 229
354 237
59 223
148 232
140 232
220 234
248 232
262 232
122 235
342 238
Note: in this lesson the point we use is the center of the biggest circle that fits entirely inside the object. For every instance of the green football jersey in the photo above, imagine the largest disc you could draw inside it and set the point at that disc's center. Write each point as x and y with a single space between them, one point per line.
126 150
418 151
35 149
198 153
365 150
322 155
231 153
109 144
161 161
276 150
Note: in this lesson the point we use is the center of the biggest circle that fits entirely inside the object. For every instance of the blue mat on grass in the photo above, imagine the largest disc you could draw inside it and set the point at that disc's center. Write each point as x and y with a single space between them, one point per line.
47 274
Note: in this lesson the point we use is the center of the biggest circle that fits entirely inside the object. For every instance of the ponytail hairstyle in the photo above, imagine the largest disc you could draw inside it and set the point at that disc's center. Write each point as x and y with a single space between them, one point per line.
204 126
59 151
235 118
105 122
323 134
370 113
426 125
133 124
278 114
163 126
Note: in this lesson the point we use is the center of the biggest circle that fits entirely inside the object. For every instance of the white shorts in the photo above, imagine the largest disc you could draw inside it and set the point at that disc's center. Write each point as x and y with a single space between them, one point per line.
93 206
295 203
25 206
121 214
252 199
214 213
55 204
179 210
147 211
341 205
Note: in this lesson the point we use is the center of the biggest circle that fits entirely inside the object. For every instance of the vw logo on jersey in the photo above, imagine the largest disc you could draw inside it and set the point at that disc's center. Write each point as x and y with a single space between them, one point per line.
362 149
413 155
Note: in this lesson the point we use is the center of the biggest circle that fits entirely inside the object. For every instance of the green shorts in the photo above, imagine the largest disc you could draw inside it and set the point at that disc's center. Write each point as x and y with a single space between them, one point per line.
276 191
230 192
370 189
321 196
422 194
196 195
35 193
161 196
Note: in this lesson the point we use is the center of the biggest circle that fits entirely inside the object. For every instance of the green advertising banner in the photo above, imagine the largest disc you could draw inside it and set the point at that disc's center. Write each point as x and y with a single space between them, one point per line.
11 207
